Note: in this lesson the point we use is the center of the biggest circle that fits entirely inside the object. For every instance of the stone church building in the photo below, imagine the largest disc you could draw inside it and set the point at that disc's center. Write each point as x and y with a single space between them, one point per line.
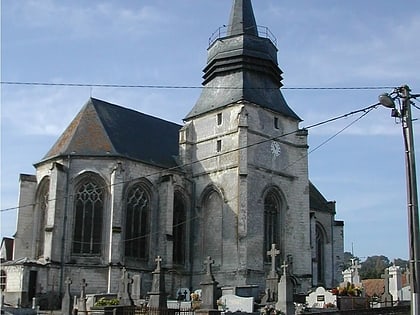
120 187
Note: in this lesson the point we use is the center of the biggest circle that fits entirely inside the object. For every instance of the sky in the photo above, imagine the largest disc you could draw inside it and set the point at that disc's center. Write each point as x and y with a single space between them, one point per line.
324 47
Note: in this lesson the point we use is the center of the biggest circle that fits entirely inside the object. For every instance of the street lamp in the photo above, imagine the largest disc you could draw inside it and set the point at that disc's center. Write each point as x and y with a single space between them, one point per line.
403 111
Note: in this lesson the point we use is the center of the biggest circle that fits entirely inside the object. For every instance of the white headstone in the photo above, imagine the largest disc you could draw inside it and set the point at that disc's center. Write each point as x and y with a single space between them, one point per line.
321 297
395 283
234 303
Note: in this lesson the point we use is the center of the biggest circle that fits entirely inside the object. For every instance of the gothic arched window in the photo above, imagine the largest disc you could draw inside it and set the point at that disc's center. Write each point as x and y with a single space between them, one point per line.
41 216
271 222
320 241
137 222
213 218
89 208
179 229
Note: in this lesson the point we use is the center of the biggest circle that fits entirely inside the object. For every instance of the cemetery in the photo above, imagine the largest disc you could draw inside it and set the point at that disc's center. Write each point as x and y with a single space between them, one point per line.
348 298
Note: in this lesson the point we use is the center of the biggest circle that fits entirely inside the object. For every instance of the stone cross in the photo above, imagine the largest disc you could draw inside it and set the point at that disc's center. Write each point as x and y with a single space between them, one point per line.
355 266
284 267
386 278
66 302
208 262
273 253
158 261
68 283
82 302
83 286
124 294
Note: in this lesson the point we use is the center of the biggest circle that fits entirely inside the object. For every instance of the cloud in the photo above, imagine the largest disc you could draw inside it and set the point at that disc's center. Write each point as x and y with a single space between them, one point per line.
39 110
92 20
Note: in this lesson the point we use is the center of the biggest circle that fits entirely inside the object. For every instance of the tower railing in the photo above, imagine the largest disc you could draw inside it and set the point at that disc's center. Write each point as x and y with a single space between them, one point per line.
262 31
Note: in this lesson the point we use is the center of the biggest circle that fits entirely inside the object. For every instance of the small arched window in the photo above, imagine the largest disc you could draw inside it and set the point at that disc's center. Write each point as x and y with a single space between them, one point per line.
271 222
89 208
137 222
179 229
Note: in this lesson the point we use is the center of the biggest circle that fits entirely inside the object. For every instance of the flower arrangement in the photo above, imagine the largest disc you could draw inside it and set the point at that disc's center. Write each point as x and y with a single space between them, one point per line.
106 302
348 290
270 310
221 305
195 301
195 296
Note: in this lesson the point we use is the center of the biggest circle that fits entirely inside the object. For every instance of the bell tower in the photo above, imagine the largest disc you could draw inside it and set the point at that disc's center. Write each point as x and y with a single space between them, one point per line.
247 158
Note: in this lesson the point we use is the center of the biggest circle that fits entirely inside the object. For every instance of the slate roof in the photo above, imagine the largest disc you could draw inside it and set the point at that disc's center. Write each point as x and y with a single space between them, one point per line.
105 129
242 66
318 202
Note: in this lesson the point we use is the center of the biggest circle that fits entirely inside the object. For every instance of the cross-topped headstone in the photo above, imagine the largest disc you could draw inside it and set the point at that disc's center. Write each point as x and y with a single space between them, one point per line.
68 283
386 278
284 267
273 253
83 286
158 261
386 297
208 262
82 301
125 282
355 266
66 302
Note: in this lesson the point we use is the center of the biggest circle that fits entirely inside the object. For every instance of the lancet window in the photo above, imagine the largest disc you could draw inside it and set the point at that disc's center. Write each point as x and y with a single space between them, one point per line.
89 208
137 222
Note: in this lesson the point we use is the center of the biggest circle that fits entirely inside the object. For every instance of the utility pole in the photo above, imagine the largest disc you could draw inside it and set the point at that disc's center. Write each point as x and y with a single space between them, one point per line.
412 200
404 112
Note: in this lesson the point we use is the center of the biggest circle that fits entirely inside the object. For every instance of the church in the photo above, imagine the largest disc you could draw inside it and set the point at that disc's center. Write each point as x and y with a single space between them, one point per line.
119 188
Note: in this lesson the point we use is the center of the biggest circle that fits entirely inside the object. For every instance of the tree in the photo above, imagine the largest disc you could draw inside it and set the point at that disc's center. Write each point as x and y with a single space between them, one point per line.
374 266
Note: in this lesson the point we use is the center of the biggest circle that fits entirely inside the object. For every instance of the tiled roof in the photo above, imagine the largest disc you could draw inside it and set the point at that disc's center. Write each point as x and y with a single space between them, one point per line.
105 129
373 287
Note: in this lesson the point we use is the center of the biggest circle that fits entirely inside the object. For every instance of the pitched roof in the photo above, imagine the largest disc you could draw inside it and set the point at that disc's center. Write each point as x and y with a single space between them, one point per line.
105 129
318 202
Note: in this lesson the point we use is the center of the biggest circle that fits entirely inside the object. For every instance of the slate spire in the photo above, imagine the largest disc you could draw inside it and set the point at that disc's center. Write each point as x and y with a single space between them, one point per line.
241 66
242 19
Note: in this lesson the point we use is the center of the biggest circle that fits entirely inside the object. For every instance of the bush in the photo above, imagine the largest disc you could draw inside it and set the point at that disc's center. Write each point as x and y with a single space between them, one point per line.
106 302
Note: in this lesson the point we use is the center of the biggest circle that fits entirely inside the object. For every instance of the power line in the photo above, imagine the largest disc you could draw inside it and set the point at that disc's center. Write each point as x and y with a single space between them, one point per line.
365 110
150 86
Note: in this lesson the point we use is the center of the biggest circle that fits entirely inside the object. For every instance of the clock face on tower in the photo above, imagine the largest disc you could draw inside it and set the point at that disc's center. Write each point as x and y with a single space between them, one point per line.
275 148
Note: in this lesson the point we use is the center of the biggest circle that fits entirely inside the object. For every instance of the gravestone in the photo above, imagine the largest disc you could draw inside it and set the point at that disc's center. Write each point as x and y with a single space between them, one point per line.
271 283
67 302
285 302
355 266
183 294
82 300
136 287
124 292
395 283
321 297
351 274
386 297
208 287
157 296
233 303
